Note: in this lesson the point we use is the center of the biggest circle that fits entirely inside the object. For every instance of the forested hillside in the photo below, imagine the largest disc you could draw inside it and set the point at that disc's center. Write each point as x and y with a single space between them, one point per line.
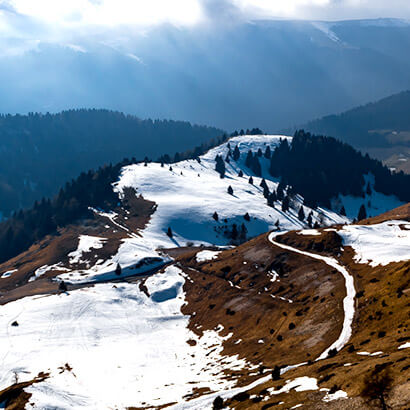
381 128
39 153
321 168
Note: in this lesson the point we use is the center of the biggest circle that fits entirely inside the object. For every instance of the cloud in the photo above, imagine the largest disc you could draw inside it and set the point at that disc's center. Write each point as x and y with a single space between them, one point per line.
26 23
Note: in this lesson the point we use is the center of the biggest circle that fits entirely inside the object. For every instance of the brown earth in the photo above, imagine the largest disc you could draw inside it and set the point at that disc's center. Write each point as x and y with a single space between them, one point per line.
401 213
381 324
133 215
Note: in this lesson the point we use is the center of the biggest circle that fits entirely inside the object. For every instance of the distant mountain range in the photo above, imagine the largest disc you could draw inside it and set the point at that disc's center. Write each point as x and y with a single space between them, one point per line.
382 129
270 74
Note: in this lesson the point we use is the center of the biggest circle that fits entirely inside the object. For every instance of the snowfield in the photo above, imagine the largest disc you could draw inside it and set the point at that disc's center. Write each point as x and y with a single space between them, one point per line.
379 244
124 348
189 192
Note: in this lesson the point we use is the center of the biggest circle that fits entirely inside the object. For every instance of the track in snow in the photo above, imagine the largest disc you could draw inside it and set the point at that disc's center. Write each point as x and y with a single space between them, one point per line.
348 301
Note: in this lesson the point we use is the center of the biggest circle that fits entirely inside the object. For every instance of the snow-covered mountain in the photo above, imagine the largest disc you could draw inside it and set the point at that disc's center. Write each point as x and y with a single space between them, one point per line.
157 304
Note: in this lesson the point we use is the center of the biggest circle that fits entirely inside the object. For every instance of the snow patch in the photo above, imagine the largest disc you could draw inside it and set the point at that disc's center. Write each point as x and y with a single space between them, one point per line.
85 244
204 256
405 346
8 273
378 244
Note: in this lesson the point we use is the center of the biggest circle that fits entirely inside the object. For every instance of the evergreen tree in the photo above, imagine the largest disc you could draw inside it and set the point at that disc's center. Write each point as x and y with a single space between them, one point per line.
62 286
249 158
263 183
259 153
277 224
247 217
230 190
266 192
256 166
285 203
301 214
240 174
362 213
227 160
268 152
271 199
250 180
310 219
220 166
343 211
215 216
169 232
236 153
118 269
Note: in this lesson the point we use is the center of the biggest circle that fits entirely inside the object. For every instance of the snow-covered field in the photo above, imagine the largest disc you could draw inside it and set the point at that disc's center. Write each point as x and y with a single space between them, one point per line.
124 348
188 195
379 244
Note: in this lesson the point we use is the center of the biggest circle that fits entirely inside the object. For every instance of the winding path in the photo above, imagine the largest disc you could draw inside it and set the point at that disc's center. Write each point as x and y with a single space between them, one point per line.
349 311
348 301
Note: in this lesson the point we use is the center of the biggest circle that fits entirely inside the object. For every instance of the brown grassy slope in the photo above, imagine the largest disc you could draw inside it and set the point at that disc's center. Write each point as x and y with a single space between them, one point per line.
235 291
401 213
381 324
134 214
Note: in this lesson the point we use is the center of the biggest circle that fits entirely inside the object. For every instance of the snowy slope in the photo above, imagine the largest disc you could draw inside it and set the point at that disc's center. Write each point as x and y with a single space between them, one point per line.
113 339
189 192
378 244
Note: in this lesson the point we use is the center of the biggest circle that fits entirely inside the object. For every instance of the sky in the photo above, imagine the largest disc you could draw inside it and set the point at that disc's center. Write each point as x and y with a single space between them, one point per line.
26 23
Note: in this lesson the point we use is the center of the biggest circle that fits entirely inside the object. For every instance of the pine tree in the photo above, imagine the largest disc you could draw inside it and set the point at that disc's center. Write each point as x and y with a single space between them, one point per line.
250 180
249 158
271 200
285 204
343 211
169 232
215 216
362 213
236 153
263 183
301 214
268 152
259 152
118 269
230 190
266 192
247 217
227 160
220 166
256 166
62 286
310 219
170 168
240 174
277 223
162 164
